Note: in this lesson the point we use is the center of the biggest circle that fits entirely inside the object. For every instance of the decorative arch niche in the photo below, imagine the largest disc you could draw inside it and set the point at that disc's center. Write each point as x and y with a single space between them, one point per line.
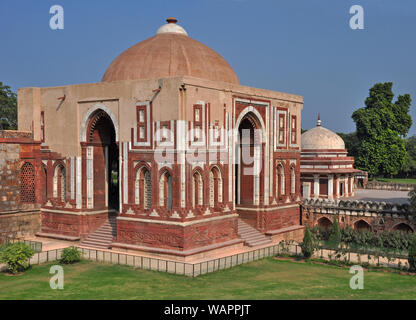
215 187
165 190
27 183
143 187
197 189
59 182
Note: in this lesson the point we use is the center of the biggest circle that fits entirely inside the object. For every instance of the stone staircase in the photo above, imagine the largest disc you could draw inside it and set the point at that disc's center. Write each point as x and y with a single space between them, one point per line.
102 237
251 236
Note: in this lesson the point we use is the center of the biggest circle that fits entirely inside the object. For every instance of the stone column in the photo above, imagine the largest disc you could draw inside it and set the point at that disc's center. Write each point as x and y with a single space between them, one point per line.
336 186
351 184
330 186
347 186
316 186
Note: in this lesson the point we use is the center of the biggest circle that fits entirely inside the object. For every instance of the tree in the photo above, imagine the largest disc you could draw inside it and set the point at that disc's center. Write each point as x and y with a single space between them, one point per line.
412 255
409 168
335 233
381 127
8 108
351 142
412 200
307 246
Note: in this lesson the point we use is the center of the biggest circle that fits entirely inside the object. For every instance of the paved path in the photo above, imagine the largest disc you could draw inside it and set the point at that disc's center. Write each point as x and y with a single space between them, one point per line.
381 195
52 244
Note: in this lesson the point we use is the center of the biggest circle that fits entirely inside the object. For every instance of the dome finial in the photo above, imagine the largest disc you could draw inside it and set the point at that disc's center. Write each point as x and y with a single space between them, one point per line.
171 20
172 27
319 120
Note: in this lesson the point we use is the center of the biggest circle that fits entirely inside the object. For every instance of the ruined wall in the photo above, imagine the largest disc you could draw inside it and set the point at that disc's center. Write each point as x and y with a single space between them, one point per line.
9 176
389 186
380 216
17 219
19 225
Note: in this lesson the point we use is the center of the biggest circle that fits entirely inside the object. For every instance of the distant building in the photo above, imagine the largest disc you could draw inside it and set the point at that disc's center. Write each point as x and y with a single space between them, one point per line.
326 170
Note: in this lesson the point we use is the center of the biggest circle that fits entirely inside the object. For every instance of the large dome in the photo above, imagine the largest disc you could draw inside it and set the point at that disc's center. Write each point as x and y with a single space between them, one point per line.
320 138
171 52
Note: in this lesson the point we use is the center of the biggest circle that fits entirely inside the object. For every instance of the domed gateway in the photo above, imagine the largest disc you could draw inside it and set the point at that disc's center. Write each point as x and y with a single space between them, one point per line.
168 150
326 170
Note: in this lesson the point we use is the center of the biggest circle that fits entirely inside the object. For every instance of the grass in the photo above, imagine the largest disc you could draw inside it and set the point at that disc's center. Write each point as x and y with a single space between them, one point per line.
397 180
264 279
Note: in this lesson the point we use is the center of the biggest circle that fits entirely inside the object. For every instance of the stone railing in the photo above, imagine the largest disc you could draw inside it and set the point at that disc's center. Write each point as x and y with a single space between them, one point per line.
14 134
378 185
361 207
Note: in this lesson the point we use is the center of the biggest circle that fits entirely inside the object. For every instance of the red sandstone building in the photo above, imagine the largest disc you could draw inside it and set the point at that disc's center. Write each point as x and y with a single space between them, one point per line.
170 149
326 170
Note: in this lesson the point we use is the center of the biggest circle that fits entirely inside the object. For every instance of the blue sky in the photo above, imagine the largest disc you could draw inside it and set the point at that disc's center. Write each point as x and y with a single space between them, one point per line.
304 47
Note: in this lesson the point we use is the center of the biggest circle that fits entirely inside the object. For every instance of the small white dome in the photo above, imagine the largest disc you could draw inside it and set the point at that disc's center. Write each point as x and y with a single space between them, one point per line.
320 138
171 27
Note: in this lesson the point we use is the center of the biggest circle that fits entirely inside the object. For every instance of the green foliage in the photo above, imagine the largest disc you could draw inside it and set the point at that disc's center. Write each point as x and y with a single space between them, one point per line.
308 246
409 168
70 255
381 126
351 143
412 200
359 239
412 255
335 235
320 233
16 256
8 108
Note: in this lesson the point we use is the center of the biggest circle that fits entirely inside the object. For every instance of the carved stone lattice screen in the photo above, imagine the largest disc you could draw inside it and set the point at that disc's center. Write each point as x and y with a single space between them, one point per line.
27 183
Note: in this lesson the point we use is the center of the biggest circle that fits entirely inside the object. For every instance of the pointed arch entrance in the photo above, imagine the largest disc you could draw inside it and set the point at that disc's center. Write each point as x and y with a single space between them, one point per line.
248 166
102 162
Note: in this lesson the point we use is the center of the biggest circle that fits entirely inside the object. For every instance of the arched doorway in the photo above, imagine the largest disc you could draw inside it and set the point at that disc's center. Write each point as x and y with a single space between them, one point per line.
361 225
404 227
324 223
102 162
248 165
341 189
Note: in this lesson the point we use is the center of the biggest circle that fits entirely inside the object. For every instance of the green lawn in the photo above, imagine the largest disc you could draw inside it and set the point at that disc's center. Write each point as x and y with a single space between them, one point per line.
264 279
397 180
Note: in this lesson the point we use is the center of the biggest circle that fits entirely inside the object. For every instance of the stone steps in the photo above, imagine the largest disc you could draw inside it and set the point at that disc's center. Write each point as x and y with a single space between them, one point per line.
102 237
251 236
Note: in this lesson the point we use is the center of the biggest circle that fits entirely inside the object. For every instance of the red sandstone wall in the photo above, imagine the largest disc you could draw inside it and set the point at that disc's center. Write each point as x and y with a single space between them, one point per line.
176 237
273 219
71 224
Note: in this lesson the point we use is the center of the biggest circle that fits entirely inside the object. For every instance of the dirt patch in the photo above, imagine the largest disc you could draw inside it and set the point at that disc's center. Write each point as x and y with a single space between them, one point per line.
8 274
300 260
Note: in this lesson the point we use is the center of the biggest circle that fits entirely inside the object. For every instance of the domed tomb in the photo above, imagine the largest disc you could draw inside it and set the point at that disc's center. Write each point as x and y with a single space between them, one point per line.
326 169
320 138
171 52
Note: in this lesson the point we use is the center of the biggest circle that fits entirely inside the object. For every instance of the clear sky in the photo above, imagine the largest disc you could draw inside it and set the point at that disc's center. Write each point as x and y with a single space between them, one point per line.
304 47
